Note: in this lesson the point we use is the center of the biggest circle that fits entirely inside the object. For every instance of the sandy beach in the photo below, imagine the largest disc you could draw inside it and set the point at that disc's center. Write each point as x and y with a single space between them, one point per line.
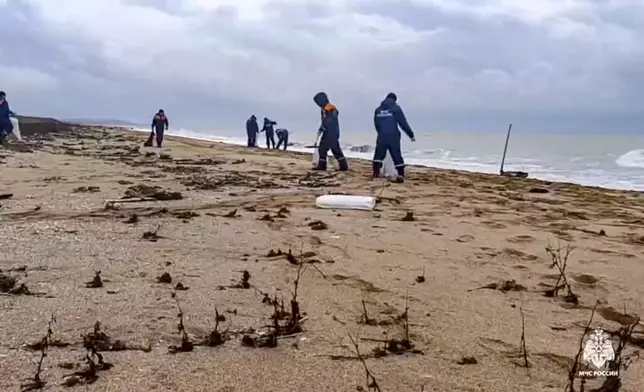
465 253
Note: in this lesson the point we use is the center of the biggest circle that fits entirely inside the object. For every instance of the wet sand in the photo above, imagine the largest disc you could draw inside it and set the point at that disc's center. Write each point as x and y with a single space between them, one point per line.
465 253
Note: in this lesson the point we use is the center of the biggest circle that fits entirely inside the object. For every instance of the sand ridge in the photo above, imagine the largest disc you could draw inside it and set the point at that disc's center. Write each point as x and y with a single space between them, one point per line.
464 252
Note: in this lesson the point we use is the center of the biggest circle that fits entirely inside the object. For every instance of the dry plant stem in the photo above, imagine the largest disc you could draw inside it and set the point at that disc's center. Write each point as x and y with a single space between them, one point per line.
186 344
181 327
365 315
524 350
302 261
385 184
296 282
372 383
625 336
215 338
295 306
130 200
406 316
621 361
276 319
216 320
45 346
561 262
37 382
319 271
575 365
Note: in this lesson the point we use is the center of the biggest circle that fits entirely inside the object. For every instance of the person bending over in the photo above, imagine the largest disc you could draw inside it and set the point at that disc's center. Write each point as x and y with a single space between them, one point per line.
330 131
282 137
386 119
159 125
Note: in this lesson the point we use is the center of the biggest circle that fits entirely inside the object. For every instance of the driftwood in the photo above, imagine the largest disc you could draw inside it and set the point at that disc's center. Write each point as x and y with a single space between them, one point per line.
111 202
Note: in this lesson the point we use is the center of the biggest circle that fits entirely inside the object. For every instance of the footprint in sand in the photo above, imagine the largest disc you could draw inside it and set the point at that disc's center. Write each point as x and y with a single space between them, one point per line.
513 351
586 279
612 253
497 346
519 254
611 314
521 239
494 224
634 238
356 282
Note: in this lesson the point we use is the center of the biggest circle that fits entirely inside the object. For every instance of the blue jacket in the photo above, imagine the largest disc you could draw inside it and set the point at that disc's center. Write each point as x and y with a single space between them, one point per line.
388 117
330 124
160 121
5 113
281 133
268 126
251 126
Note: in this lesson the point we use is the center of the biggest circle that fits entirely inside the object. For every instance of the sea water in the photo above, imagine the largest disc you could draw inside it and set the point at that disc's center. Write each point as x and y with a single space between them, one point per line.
611 161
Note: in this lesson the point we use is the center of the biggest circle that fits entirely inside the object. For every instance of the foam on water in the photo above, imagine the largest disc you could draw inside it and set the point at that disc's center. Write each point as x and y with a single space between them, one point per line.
616 170
633 158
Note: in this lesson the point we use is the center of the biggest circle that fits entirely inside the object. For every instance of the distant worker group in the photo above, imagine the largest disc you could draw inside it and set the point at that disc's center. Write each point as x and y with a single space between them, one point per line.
252 130
388 119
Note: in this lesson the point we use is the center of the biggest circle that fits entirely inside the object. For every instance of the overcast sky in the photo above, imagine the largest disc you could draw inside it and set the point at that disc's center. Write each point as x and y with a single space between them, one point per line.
471 64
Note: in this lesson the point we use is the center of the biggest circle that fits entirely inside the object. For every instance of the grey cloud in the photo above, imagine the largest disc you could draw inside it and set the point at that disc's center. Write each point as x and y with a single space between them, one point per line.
450 68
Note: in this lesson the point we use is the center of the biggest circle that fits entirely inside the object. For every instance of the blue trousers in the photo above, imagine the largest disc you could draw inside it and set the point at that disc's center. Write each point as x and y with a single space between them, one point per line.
252 139
333 144
5 130
270 139
391 144
283 139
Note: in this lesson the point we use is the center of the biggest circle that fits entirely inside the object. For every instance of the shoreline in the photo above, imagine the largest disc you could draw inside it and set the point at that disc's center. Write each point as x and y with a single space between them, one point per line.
352 156
449 260
431 168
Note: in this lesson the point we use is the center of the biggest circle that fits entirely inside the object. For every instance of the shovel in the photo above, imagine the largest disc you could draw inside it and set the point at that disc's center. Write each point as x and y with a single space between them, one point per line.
315 145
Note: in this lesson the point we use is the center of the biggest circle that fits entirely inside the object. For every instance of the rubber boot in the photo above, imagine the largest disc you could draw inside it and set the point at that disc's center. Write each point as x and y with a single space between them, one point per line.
320 167
376 170
401 175
343 165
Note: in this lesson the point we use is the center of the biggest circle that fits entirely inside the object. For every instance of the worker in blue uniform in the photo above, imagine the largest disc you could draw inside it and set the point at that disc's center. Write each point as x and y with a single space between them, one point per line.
330 133
388 119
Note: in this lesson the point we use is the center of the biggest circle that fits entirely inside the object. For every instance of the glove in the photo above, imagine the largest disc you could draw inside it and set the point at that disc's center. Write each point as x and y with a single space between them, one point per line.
413 139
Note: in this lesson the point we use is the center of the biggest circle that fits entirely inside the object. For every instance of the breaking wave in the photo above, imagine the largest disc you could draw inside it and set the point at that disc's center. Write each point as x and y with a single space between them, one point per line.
633 158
